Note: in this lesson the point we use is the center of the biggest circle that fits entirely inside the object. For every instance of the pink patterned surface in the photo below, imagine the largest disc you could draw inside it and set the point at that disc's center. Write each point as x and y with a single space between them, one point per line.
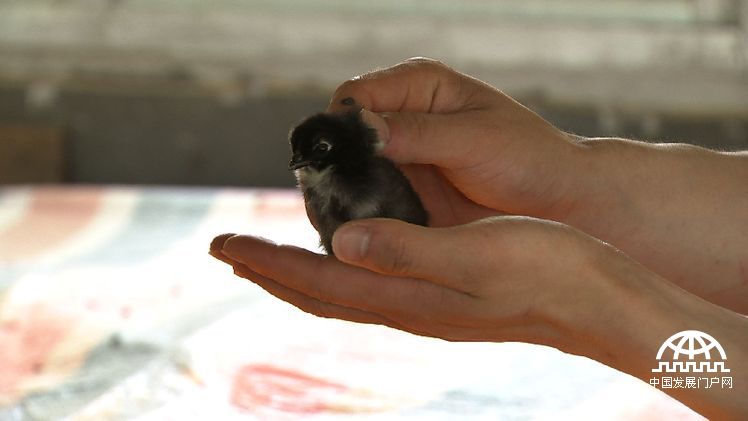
110 308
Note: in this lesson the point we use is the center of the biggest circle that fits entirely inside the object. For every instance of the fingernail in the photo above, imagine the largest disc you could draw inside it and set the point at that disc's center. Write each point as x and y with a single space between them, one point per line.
377 123
351 243
348 101
217 244
220 256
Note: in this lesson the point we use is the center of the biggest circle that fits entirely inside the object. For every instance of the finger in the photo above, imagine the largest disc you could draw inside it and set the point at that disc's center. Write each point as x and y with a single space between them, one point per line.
421 138
446 140
413 323
418 84
217 244
449 141
311 305
303 302
326 279
393 247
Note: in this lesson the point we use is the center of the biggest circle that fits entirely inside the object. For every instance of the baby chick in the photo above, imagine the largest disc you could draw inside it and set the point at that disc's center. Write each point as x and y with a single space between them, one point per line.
342 176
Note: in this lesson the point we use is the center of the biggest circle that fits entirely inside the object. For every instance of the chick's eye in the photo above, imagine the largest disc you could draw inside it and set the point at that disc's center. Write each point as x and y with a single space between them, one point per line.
322 146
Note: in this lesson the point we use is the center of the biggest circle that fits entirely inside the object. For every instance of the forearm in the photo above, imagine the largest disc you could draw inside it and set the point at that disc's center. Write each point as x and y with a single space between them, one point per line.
638 311
680 210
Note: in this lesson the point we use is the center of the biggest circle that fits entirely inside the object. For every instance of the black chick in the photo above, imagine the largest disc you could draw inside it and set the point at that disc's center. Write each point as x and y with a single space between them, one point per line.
343 178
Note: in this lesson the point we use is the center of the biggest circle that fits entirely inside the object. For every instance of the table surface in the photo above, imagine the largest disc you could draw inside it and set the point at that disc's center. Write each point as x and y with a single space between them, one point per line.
111 308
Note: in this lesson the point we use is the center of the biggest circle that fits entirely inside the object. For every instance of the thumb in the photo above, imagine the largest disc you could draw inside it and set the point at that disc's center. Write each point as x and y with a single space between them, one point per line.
444 140
394 247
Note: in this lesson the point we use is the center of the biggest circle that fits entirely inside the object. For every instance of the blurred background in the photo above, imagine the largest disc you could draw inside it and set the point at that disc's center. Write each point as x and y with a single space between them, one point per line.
110 307
197 92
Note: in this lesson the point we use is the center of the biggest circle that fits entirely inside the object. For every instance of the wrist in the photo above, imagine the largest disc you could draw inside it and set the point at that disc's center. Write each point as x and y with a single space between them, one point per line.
640 310
677 209
597 185
570 180
622 300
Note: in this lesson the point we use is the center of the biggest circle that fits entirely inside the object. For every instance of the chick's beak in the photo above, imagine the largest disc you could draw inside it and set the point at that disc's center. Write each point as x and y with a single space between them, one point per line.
297 161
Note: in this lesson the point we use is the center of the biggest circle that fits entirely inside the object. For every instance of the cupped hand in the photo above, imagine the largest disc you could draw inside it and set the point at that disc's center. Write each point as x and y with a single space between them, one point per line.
504 278
498 279
469 150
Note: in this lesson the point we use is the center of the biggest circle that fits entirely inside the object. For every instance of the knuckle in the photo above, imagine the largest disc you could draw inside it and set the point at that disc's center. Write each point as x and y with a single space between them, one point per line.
395 256
426 63
449 335
420 66
346 87
429 328
415 124
318 309
318 287
319 294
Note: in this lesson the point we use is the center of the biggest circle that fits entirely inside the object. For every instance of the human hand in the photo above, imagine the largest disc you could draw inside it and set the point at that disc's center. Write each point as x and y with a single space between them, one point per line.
469 150
498 279
472 152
